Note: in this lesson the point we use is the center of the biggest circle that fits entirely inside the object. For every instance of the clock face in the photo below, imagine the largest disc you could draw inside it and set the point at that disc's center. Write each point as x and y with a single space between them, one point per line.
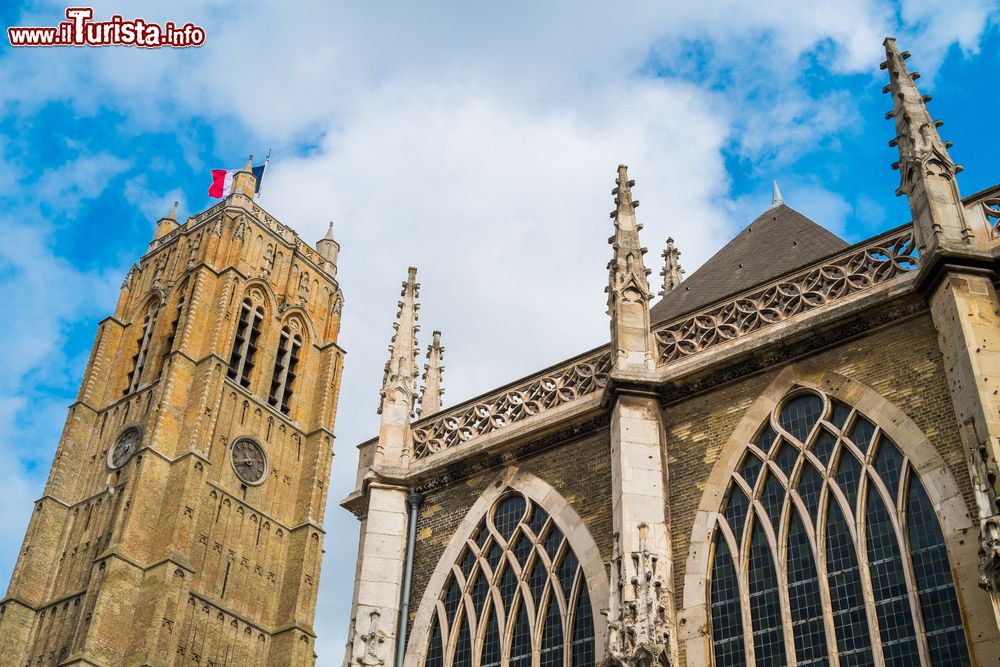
249 461
125 446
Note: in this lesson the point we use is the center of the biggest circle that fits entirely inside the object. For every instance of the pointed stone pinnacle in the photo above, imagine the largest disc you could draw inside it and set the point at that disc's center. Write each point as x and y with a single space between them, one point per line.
628 286
173 212
329 232
776 199
916 133
672 272
399 387
430 397
926 170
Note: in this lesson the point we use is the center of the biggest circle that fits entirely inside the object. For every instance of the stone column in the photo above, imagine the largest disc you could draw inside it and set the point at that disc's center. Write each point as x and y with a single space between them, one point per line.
382 547
957 276
640 617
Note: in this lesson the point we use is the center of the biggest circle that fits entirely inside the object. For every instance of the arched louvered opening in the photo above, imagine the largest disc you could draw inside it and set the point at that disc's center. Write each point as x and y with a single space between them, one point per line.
134 378
517 596
828 548
168 343
241 360
285 364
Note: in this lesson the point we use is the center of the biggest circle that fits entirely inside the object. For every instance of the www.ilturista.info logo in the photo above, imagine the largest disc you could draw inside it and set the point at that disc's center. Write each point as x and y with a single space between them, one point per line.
79 30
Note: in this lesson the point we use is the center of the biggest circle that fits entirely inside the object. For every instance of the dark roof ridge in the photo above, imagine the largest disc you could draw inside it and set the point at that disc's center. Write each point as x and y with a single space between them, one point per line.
778 241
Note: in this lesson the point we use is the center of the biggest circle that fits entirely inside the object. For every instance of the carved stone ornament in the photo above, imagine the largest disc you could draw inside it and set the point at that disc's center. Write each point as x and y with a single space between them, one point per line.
268 263
512 405
850 272
638 630
256 296
991 211
989 556
369 651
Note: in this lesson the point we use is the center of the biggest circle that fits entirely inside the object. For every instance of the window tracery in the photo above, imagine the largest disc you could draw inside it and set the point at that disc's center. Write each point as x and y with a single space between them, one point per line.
517 596
828 545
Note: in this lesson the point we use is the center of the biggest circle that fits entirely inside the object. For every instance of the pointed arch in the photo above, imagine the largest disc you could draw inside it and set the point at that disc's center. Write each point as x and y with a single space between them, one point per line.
808 495
578 543
270 299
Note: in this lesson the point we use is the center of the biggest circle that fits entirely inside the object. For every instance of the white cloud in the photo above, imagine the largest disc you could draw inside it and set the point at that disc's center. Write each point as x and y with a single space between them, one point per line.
479 145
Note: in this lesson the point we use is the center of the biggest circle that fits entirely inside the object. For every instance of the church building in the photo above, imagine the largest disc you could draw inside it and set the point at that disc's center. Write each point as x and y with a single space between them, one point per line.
789 459
182 520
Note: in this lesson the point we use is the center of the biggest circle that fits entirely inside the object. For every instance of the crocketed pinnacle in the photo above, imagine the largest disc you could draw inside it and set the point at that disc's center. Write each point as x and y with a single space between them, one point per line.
399 384
672 272
927 172
628 286
916 132
430 398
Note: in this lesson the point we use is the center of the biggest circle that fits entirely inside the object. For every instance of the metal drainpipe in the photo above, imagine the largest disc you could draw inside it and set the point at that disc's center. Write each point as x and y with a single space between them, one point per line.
414 500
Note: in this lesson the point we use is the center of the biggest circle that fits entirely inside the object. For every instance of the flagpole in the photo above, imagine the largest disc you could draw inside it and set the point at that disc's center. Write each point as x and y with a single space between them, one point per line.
260 186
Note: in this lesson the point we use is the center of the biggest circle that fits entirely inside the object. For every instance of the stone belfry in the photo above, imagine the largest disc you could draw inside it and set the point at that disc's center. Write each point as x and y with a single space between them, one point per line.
182 519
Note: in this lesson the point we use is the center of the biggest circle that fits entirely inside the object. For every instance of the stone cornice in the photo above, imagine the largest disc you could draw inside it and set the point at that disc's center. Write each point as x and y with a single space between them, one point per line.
239 204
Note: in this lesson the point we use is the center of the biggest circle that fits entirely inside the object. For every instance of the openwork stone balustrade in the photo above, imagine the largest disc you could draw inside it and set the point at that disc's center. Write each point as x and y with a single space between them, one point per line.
854 270
857 269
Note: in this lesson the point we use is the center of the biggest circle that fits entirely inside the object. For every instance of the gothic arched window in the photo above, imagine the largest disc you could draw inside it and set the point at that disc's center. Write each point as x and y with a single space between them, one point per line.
285 363
827 544
517 596
142 348
245 342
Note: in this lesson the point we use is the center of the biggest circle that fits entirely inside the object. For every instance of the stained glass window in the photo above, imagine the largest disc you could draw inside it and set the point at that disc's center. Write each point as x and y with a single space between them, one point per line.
840 522
518 558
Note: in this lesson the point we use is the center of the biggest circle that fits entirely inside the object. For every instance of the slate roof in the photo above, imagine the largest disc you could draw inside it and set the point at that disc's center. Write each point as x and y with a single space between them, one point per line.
780 240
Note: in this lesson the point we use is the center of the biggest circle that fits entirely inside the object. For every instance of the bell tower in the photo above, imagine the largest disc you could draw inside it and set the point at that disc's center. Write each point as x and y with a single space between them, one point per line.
182 520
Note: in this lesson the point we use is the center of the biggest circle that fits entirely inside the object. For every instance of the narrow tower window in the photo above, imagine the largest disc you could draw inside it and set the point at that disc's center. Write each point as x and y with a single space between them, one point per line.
285 363
245 342
142 350
168 344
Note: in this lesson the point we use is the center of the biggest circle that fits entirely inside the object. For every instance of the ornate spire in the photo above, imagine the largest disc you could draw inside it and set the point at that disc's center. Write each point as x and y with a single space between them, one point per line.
776 199
927 172
628 287
399 385
672 272
430 397
328 248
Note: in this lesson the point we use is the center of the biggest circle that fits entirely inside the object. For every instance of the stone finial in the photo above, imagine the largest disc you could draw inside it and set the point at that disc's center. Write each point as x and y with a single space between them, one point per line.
430 397
776 199
927 172
244 182
628 286
672 272
399 386
329 249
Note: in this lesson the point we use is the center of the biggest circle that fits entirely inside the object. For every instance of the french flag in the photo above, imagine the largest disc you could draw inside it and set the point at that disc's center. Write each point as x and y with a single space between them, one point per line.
222 180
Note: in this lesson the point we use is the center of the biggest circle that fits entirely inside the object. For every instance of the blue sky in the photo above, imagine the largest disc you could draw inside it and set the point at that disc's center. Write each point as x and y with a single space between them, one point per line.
480 147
